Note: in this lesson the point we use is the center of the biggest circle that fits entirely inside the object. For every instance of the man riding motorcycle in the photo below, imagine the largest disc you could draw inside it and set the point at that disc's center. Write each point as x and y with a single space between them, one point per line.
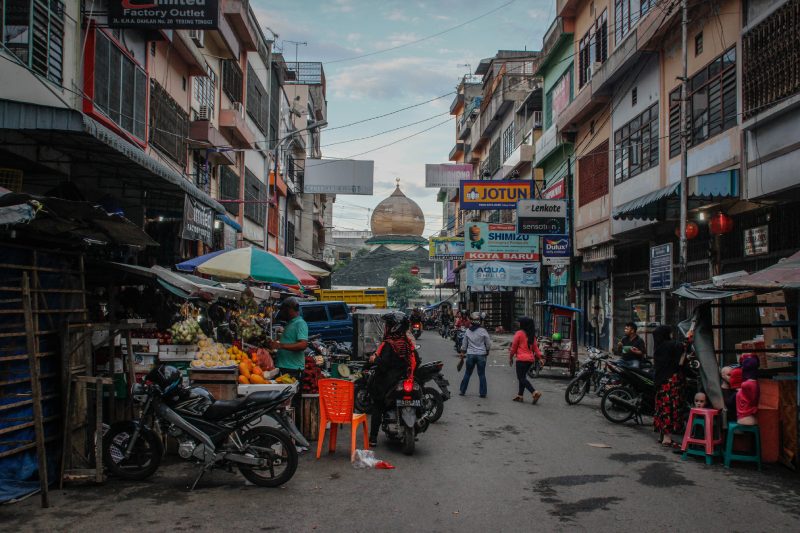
392 360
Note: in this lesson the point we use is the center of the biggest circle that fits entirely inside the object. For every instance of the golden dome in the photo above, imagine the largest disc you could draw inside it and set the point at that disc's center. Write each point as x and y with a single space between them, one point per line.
397 215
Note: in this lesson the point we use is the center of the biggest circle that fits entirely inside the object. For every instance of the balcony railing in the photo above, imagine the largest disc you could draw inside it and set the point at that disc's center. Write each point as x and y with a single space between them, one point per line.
305 73
457 151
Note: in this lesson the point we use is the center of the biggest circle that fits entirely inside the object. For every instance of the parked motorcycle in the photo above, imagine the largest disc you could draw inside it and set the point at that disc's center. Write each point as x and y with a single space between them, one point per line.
416 329
633 398
432 399
591 375
211 433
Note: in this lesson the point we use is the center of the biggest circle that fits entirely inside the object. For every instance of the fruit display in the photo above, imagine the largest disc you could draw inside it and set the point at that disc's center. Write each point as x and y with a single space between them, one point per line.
212 355
285 379
311 374
249 371
186 331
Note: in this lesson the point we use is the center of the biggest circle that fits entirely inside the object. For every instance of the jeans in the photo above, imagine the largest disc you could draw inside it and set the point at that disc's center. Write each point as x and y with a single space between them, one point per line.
522 376
474 360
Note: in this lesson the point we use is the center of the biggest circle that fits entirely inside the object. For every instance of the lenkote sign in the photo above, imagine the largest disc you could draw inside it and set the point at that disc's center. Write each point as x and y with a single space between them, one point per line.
164 14
542 217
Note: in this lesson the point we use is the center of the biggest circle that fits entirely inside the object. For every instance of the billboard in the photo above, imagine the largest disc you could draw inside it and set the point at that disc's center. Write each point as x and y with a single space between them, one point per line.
498 242
488 274
338 176
445 248
542 217
446 175
487 194
164 14
556 249
198 221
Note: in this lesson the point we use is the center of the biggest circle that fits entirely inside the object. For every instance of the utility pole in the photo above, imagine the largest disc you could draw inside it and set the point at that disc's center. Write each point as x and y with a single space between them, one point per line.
682 262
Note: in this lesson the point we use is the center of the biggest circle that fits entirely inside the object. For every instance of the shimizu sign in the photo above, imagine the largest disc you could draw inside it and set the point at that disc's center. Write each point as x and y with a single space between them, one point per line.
487 194
542 217
498 242
164 14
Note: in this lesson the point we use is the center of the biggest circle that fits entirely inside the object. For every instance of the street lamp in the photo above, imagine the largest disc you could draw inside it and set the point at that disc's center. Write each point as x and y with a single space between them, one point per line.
275 155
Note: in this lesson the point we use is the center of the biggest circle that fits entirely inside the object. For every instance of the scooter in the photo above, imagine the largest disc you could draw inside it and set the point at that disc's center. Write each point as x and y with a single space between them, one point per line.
416 329
433 400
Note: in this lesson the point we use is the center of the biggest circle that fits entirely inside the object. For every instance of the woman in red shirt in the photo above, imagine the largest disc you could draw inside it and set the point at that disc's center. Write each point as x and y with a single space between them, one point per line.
525 348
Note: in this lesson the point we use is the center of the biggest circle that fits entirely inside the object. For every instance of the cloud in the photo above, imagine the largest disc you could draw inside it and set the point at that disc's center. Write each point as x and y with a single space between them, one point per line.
397 15
353 37
382 79
396 39
339 6
538 14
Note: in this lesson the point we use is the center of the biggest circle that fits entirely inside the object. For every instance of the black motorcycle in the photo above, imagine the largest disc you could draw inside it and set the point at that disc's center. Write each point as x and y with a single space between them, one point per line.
432 399
592 375
634 397
458 338
416 329
211 433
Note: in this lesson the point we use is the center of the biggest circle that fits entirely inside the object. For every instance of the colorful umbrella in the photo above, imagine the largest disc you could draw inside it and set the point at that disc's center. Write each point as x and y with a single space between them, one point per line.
306 279
192 264
248 263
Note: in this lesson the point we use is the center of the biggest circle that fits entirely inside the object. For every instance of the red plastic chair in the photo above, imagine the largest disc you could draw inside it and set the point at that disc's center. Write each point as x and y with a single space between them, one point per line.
336 397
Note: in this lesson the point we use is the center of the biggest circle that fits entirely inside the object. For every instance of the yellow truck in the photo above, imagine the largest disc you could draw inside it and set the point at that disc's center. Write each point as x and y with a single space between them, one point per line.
373 297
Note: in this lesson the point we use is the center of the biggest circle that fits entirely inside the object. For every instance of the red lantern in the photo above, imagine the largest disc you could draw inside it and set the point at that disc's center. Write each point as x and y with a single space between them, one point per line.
720 224
692 231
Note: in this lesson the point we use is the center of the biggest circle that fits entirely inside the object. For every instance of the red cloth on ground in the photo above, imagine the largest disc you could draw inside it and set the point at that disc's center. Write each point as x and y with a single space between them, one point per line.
747 399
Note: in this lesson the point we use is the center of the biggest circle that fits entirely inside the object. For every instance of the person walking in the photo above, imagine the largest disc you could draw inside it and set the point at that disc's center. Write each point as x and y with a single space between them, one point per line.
475 347
526 350
667 360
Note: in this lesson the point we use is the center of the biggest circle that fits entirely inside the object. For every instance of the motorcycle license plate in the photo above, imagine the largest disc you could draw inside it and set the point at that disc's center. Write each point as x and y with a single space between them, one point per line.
409 403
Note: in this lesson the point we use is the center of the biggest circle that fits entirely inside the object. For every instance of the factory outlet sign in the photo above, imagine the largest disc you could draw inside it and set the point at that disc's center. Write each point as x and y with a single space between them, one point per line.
164 14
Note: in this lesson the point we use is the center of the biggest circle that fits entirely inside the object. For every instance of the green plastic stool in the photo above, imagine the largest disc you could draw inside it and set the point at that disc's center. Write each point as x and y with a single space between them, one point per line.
733 427
698 451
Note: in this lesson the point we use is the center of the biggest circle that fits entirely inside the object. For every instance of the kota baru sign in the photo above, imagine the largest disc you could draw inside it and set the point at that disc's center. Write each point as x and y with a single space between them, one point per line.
164 14
488 274
198 221
498 242
487 194
542 217
445 248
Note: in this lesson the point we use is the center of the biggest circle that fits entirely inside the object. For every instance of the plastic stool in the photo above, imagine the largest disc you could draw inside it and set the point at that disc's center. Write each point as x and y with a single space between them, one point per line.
711 441
733 427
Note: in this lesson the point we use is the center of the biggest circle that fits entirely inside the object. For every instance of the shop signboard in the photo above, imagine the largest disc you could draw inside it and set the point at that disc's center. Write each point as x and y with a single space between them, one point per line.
558 276
561 94
756 240
661 267
338 176
498 242
542 217
446 248
489 194
437 176
556 249
487 274
198 221
556 191
164 14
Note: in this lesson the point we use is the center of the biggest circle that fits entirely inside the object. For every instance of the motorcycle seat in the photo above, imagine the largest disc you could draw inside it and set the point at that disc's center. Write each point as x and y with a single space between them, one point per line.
647 372
224 408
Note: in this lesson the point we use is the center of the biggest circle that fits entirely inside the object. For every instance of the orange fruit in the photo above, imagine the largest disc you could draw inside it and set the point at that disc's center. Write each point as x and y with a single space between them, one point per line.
257 370
244 370
256 379
243 380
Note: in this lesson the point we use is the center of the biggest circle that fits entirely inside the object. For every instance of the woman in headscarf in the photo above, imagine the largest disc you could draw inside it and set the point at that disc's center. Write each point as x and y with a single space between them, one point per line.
667 359
525 348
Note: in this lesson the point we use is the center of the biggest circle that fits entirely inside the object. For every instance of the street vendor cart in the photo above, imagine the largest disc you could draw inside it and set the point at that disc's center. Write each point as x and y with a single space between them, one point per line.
558 342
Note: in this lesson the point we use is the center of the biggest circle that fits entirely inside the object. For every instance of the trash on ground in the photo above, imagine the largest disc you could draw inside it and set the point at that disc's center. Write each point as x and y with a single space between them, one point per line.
367 459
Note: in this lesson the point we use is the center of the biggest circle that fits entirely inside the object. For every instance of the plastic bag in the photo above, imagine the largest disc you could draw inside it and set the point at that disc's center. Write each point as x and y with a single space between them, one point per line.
367 459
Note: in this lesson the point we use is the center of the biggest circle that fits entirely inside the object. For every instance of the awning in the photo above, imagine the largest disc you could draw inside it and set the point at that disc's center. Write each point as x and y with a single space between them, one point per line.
696 293
785 274
664 204
229 221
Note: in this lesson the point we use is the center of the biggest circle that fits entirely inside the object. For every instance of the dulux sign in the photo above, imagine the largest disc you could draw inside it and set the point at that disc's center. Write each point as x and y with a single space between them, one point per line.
556 249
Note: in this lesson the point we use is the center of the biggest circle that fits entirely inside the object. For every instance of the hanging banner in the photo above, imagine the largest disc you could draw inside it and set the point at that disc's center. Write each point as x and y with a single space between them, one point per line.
542 217
487 274
488 194
446 248
198 221
558 276
164 14
498 242
661 267
437 176
556 191
556 250
342 176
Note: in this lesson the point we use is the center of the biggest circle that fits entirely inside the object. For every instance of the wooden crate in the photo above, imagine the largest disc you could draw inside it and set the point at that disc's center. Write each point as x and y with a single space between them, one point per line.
222 384
309 417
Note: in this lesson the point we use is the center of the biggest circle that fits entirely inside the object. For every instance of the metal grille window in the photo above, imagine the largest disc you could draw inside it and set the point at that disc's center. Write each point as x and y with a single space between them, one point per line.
508 142
169 124
712 103
274 108
33 30
636 145
232 80
204 93
593 175
593 48
203 170
257 100
771 67
120 87
255 197
229 185
492 162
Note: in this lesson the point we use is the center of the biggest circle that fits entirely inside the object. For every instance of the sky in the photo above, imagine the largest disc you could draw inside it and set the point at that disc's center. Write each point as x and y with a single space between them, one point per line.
336 31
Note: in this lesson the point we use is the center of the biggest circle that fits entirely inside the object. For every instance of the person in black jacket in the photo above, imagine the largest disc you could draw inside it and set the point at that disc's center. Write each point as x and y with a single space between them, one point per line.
392 360
667 361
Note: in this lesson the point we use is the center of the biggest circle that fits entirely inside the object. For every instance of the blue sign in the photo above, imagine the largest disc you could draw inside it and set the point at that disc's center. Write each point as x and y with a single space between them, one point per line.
661 267
556 246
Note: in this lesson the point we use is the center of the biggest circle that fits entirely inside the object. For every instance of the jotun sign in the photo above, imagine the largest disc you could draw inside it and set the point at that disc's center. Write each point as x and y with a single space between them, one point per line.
479 194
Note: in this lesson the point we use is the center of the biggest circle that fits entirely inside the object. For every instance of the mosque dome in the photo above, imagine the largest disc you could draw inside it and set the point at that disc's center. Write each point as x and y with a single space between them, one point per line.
397 215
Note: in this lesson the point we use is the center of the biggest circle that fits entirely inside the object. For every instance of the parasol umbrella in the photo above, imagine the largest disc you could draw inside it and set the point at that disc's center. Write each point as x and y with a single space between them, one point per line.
248 263
306 279
192 264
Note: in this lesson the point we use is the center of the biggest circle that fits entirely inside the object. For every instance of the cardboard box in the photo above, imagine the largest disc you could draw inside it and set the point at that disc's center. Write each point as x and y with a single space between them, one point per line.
777 312
753 346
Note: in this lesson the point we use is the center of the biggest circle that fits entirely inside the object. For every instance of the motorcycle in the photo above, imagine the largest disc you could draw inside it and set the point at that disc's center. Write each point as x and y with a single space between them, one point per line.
458 338
432 399
210 433
591 375
634 397
416 329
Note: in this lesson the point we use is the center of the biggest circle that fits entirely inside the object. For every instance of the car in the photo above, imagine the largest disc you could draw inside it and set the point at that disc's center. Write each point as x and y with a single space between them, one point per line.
331 320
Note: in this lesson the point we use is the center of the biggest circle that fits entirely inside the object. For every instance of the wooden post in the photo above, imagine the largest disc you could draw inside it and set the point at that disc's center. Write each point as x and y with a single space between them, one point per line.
98 430
36 387
131 368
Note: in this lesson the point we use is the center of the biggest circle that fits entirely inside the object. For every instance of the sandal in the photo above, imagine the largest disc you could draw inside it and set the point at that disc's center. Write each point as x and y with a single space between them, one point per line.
536 396
517 399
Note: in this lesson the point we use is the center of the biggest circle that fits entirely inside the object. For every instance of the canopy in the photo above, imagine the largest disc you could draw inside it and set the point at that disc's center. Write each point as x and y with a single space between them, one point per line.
192 264
785 274
182 285
248 263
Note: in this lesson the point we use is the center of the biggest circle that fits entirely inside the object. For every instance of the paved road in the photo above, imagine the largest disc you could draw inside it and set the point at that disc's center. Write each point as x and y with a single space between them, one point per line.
488 465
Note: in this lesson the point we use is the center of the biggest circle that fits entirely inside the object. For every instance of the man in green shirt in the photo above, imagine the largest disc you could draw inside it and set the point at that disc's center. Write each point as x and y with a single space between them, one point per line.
291 356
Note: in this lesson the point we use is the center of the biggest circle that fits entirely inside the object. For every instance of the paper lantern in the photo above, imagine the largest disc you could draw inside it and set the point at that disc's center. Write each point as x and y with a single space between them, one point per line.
720 224
692 231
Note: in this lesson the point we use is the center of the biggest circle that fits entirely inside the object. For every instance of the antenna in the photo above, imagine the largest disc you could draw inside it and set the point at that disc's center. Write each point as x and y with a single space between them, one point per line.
296 46
468 75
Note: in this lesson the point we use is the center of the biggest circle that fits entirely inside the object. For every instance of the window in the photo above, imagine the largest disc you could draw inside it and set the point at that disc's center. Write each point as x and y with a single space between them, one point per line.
492 163
508 142
634 96
120 87
338 312
558 98
33 30
257 100
255 196
205 93
698 44
229 189
712 103
232 80
627 14
314 313
202 171
636 145
593 175
169 124
593 48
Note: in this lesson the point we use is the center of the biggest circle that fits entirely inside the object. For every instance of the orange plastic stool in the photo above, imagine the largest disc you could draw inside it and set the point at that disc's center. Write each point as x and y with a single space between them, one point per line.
712 437
336 397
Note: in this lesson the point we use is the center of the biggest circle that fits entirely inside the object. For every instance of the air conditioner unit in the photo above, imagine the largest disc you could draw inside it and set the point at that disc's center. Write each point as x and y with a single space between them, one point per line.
204 113
197 36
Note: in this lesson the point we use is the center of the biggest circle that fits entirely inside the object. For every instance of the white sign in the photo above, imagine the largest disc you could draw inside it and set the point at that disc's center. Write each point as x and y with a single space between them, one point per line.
542 217
338 176
484 274
661 267
756 240
446 175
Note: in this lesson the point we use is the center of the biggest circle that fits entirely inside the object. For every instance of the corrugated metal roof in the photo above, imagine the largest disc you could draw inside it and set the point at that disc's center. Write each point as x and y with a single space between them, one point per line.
785 274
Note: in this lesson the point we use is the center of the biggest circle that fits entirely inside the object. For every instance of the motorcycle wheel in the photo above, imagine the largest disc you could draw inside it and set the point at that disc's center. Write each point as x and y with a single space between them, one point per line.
144 459
281 444
617 414
432 403
408 441
576 390
361 401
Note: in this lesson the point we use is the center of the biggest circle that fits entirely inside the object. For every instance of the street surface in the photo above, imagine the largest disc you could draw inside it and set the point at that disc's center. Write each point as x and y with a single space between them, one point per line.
487 465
